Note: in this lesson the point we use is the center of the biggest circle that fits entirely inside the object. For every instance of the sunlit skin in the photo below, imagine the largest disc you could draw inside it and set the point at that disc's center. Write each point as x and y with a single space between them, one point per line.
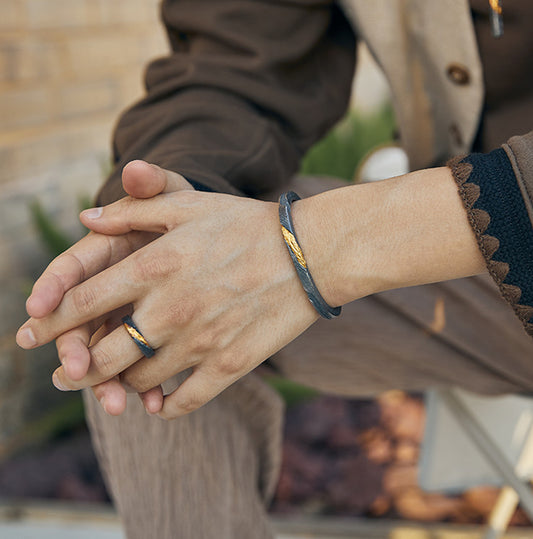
89 256
211 285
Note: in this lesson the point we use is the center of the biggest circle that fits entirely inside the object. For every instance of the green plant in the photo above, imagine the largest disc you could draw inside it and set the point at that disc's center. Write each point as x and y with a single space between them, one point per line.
291 392
52 237
340 152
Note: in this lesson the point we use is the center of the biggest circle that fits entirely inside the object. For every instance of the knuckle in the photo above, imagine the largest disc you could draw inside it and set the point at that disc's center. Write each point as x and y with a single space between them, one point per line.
138 380
153 268
229 365
102 362
183 311
72 262
208 340
84 300
191 404
200 345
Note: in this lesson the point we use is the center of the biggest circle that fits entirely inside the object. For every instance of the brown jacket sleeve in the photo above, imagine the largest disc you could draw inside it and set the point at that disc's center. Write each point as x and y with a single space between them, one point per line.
249 87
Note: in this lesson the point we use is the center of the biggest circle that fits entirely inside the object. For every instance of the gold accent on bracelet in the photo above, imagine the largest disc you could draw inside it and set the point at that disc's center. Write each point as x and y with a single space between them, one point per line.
292 244
136 335
496 6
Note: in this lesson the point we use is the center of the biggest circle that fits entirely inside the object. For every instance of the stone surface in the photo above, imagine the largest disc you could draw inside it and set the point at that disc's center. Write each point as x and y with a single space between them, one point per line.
358 458
318 477
67 68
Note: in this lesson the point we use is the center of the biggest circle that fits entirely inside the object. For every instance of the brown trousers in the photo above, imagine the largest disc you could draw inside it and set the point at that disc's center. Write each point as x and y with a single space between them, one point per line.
209 475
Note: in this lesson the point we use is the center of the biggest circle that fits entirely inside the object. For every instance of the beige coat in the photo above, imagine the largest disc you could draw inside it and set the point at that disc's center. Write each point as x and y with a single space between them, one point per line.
427 50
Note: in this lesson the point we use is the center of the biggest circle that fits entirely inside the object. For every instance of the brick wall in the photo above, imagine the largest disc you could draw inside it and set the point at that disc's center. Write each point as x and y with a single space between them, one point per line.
67 67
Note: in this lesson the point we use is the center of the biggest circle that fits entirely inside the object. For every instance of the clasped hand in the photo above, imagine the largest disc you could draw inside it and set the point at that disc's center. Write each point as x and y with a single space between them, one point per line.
205 276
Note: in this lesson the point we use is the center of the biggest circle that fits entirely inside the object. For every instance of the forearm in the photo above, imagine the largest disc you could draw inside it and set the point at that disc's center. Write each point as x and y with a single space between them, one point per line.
406 231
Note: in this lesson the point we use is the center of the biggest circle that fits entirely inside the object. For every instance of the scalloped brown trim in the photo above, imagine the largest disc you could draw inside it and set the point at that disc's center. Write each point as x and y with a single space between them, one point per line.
480 220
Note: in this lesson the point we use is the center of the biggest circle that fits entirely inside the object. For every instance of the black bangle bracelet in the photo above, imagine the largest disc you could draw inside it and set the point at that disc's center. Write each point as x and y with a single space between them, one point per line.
298 259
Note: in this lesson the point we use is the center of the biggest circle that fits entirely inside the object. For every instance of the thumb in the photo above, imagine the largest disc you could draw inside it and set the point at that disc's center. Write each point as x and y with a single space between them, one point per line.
144 180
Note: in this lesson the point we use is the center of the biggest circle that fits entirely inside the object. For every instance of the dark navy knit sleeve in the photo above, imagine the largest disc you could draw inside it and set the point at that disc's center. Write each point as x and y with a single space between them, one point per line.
498 215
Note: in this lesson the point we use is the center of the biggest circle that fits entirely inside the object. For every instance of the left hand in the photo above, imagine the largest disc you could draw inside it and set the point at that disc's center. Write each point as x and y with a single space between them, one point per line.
89 256
216 293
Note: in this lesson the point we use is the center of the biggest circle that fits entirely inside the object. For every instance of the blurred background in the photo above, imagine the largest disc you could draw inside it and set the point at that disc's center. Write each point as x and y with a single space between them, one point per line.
67 68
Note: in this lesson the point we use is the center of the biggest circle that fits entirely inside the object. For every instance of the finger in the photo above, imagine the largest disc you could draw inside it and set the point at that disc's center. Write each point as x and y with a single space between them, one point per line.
108 357
111 396
87 257
158 214
143 180
117 353
73 346
109 323
148 373
198 389
116 286
73 351
152 400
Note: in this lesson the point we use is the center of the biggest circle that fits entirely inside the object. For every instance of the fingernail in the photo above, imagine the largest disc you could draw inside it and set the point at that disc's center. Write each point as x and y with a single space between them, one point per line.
93 213
58 384
26 338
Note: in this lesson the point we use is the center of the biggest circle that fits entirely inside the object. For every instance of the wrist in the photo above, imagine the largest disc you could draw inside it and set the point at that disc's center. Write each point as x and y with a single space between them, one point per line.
300 264
323 228
363 239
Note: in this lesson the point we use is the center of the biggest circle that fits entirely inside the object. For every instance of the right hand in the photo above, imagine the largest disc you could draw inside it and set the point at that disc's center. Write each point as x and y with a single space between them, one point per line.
216 294
89 256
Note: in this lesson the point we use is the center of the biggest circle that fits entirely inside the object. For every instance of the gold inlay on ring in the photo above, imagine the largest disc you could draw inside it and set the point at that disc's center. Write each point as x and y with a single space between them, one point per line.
291 242
496 6
136 335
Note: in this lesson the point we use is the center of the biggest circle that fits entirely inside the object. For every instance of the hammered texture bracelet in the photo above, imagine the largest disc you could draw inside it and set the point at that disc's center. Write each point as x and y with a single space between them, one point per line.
298 259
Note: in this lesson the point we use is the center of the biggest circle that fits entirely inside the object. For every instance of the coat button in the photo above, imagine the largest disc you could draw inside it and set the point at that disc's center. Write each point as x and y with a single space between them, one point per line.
458 74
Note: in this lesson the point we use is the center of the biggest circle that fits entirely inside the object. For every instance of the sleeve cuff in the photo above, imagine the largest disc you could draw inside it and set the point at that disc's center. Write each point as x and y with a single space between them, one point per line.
500 221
